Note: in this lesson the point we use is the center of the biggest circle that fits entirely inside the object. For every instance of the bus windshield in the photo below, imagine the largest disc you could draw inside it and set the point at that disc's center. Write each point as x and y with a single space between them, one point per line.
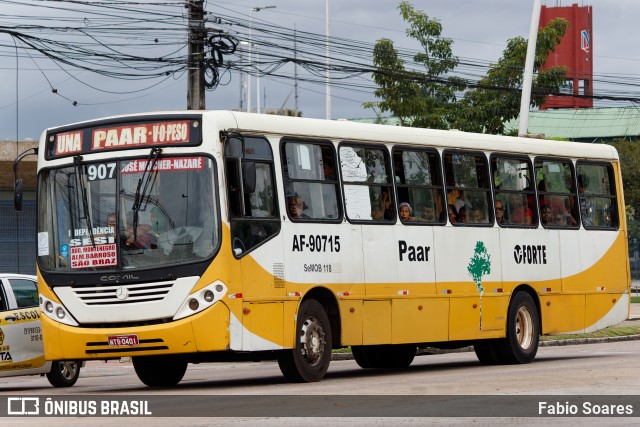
122 215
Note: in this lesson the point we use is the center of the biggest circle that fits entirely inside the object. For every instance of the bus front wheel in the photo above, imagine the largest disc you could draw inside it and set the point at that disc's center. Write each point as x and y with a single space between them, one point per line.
159 371
309 360
64 373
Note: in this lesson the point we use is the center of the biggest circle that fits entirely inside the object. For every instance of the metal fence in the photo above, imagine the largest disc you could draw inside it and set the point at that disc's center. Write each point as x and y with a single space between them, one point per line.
18 237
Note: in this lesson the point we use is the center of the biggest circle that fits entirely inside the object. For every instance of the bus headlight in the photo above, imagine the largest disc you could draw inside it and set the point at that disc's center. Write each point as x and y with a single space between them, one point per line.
201 299
56 311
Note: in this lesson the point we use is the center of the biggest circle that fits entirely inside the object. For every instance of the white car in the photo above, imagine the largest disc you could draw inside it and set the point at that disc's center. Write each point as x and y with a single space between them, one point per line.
21 347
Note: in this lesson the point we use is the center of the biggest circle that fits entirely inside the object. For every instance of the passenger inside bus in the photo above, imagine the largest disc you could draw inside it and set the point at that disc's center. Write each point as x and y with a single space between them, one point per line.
462 214
143 238
377 214
477 216
296 206
453 216
521 213
428 214
545 215
386 204
585 203
500 213
405 211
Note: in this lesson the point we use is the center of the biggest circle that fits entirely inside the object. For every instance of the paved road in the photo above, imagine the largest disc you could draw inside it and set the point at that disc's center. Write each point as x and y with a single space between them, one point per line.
557 373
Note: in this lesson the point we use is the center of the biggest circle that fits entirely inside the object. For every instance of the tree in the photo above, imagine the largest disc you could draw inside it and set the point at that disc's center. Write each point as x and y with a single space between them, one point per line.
629 153
404 93
429 98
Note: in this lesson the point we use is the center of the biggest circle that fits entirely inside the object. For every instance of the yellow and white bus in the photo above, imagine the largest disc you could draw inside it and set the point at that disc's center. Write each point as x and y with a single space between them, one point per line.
188 237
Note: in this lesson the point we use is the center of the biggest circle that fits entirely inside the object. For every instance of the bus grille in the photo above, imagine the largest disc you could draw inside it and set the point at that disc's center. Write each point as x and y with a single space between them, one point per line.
123 294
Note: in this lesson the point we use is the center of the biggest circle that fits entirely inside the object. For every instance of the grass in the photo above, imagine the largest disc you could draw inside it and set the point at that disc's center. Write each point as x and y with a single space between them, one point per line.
614 331
635 300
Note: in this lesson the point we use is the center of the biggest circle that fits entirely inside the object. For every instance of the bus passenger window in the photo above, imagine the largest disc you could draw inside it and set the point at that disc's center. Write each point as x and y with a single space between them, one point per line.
419 183
556 190
514 191
311 184
366 174
597 196
468 192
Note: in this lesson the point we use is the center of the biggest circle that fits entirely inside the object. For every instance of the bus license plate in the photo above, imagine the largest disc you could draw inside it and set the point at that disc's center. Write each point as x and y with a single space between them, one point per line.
123 340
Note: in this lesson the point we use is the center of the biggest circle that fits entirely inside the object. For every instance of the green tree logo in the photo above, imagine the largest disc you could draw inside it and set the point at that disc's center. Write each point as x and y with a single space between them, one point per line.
479 265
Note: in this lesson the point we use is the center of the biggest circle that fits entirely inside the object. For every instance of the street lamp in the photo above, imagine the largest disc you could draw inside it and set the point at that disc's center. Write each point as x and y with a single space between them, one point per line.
253 9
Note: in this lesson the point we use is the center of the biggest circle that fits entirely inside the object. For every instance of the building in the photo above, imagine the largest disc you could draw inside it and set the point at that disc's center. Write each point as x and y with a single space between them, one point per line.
17 229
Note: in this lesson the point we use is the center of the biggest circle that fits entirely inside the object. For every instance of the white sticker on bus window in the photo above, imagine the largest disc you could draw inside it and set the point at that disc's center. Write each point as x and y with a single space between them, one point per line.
43 243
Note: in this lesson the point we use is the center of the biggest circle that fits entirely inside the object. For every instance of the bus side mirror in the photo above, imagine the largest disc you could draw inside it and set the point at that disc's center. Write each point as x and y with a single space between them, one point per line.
17 195
249 176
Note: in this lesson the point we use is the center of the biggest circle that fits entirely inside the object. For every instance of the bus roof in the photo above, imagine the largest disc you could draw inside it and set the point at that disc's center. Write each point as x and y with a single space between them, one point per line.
344 130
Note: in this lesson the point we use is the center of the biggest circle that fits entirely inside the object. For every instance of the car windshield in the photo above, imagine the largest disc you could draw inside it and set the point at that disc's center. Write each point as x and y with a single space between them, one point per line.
123 215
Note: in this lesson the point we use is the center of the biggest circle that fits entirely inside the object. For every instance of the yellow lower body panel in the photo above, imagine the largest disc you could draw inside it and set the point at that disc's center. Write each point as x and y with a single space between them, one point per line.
205 331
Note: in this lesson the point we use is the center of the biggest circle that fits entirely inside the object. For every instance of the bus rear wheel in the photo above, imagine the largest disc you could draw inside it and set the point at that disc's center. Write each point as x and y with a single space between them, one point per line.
159 371
384 356
64 373
309 360
523 330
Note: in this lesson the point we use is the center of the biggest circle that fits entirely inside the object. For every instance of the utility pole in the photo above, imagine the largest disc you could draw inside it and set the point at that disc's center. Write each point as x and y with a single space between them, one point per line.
525 99
195 62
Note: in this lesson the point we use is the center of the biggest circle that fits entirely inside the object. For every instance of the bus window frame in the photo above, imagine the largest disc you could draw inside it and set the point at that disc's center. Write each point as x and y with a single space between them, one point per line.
488 189
535 221
612 179
393 207
443 199
250 219
158 273
286 180
574 193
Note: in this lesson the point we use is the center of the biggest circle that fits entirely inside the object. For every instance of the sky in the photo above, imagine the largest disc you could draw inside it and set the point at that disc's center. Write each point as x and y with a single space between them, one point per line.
479 29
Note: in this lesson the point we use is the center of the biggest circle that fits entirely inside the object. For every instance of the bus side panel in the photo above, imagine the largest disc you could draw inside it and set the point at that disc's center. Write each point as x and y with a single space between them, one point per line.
562 313
530 257
376 326
263 320
474 317
419 320
459 249
351 321
408 263
323 254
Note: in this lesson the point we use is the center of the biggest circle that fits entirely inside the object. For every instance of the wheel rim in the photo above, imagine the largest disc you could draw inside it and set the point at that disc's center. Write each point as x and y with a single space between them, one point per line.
68 369
312 341
524 328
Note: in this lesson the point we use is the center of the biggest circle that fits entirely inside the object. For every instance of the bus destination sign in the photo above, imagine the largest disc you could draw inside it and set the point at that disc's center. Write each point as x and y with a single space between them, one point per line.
123 136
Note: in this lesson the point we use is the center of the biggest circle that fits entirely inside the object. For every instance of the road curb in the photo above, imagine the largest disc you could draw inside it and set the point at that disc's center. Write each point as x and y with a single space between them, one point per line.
551 343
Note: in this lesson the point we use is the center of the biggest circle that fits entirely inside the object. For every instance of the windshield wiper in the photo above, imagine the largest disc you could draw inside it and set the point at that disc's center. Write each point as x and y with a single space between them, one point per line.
141 195
77 163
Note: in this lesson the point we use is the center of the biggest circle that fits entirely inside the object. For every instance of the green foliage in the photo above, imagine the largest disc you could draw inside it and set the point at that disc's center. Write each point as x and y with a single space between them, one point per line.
428 99
629 152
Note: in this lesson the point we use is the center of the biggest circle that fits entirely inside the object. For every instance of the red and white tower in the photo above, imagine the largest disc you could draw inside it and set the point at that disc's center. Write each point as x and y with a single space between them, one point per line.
575 51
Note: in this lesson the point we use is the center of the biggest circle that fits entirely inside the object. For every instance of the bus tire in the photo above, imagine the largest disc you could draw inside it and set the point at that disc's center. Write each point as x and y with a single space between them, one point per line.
64 373
487 352
159 371
523 331
309 360
384 356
